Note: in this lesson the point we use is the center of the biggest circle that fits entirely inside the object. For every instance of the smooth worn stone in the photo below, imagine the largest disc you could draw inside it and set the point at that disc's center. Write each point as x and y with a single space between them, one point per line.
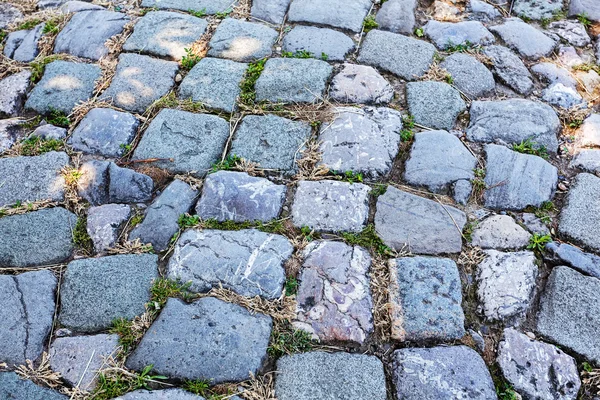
27 311
588 7
552 73
13 89
537 370
64 85
361 140
562 96
448 34
589 132
320 375
36 238
215 83
571 31
323 43
570 312
78 359
483 11
469 75
183 142
105 132
24 45
345 14
334 299
453 372
565 254
12 386
515 181
514 121
139 81
248 262
86 33
272 11
360 84
293 80
13 41
48 131
242 41
461 191
272 142
229 343
537 9
165 34
406 221
75 6
524 38
434 104
500 232
425 299
9 14
569 57
104 223
580 218
206 6
509 68
587 160
331 206
11 131
397 16
438 159
161 220
166 394
401 55
96 291
237 196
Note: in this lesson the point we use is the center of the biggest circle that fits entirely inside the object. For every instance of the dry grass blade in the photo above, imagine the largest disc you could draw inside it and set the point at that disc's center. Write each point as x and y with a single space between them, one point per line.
9 67
72 200
470 258
195 183
42 374
259 388
436 73
591 379
242 10
380 292
25 208
134 247
308 162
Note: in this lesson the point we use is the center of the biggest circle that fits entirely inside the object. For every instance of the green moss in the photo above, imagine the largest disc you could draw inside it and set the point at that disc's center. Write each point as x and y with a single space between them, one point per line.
291 286
369 239
370 23
35 145
80 236
58 118
51 26
162 289
229 163
378 189
285 339
27 25
124 328
248 93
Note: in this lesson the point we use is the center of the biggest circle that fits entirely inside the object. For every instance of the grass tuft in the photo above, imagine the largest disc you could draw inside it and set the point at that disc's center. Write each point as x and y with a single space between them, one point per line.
529 147
81 238
285 340
248 94
189 60
370 23
369 239
537 242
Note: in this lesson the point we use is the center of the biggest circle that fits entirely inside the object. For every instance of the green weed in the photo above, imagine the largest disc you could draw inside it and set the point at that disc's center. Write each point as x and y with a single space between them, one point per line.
369 239
419 32
285 339
529 147
127 336
115 385
199 13
297 54
349 176
506 392
35 145
229 163
189 60
584 18
537 242
407 134
51 27
163 288
462 47
58 118
291 286
224 14
27 25
369 23
188 221
248 93
378 189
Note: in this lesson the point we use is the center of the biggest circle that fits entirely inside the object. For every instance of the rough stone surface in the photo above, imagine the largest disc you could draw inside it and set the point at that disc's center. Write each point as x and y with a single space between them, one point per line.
589 7
580 218
95 291
434 104
535 224
229 342
562 96
23 46
360 84
242 41
11 130
565 254
537 9
461 191
345 14
524 38
448 34
397 16
13 387
425 297
587 160
104 223
500 232
166 394
571 31
12 93
589 132
272 11
207 6
552 73
9 14
48 131
74 6
469 75
409 222
320 42
483 11
510 69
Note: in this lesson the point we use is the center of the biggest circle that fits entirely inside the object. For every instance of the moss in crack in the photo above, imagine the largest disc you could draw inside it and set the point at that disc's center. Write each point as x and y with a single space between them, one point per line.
369 239
285 339
81 238
248 94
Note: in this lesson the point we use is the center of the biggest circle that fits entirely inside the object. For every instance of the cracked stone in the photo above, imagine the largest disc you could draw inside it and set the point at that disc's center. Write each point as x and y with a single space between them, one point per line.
13 89
500 232
360 84
242 41
510 69
104 223
580 217
434 104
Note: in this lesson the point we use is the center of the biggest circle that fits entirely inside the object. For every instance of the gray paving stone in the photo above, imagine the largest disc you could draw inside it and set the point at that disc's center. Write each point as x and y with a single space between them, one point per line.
570 312
11 130
587 160
345 14
452 372
86 33
589 7
500 232
425 299
401 55
537 9
161 219
397 16
293 80
535 224
242 41
104 132
569 57
483 11
229 342
552 73
448 34
405 221
360 84
207 6
75 6
320 375
28 310
524 38
324 43
165 34
461 191
580 218
361 140
64 85
13 387
573 32
562 96
589 132
104 223
166 394
9 14
331 206
215 83
13 41
509 68
13 89
272 142
194 142
139 81
48 131
571 256
434 104
23 46
334 299
237 196
272 11
469 75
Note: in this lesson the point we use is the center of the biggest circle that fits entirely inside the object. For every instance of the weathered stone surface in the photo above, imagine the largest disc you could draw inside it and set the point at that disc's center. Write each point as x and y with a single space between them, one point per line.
36 238
74 6
95 291
361 140
13 387
500 232
22 45
461 191
469 75
215 83
272 11
324 43
483 11
587 160
571 31
448 34
207 6
401 55
9 14
580 218
589 132
161 220
331 205
86 33
590 7
552 73
12 93
345 14
397 16
242 41
334 299
562 96
11 130
565 254
229 342
139 81
537 9
79 358
165 34
272 142
48 131
425 297
293 80
166 394
535 224
27 311
524 38
514 121
105 132
438 159
570 312
63 85
360 84
569 57
251 262
454 372
406 221
237 196
104 223
510 69
434 104
13 41
185 142
320 375
515 181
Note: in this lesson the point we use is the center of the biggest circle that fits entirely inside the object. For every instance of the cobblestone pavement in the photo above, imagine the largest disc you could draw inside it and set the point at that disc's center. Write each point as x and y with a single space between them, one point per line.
300 199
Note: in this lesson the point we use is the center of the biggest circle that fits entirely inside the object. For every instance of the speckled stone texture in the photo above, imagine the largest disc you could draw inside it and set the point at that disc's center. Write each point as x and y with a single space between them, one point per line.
580 218
360 84
500 232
